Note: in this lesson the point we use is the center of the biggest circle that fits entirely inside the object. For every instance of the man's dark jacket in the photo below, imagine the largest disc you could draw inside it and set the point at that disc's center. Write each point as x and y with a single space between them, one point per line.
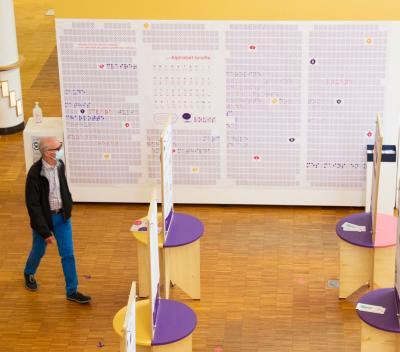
37 198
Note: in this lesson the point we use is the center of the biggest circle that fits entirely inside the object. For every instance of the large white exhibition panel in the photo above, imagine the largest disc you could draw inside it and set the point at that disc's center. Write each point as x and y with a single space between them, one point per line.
263 112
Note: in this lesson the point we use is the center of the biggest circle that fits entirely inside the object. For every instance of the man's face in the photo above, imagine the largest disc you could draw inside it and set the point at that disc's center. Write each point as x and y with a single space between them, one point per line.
53 145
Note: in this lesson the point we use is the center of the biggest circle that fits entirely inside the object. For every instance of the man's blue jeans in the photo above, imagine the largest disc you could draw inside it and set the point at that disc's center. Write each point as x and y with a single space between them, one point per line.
63 234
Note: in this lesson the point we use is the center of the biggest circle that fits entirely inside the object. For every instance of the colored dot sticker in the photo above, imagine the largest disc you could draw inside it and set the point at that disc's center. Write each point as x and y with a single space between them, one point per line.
252 47
106 156
369 40
369 134
195 170
312 61
256 157
101 66
274 101
146 25
186 116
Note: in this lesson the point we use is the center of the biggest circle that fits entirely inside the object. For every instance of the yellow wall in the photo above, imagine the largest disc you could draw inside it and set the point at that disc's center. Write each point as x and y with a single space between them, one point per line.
231 10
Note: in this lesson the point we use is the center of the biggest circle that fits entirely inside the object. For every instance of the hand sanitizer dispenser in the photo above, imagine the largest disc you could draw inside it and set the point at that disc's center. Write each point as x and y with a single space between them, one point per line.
37 113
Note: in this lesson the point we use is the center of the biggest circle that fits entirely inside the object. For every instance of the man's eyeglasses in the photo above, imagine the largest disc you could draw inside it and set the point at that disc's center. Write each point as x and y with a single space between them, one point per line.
56 149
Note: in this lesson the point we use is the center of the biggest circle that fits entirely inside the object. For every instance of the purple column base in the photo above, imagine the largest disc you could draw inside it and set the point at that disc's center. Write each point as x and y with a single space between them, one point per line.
175 321
184 229
385 297
361 239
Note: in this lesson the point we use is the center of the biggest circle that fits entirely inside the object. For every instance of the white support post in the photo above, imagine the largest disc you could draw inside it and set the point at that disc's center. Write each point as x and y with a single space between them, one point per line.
11 112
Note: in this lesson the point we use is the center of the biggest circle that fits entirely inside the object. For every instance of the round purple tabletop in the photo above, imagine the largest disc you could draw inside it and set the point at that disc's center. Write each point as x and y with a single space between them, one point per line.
385 297
362 239
175 321
184 229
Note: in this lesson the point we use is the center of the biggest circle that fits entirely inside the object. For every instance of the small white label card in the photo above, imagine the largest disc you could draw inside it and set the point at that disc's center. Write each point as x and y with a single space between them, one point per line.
352 227
370 308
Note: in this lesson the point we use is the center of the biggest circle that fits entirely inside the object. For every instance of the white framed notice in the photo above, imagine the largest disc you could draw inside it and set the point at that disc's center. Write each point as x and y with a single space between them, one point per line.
20 108
4 88
376 168
128 341
397 272
13 99
154 260
167 177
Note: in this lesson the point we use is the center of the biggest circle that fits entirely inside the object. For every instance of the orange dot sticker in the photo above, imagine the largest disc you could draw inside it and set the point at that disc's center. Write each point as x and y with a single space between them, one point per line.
106 156
369 40
146 25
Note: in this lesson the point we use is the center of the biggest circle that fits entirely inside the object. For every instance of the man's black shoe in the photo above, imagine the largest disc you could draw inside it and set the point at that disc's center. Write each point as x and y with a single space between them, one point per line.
79 298
30 282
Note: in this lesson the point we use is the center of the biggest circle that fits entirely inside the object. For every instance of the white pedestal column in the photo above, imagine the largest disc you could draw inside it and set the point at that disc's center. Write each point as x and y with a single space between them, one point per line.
11 110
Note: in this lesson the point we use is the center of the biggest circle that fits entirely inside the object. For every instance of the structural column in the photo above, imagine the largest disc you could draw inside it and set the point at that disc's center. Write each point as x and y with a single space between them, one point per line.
11 109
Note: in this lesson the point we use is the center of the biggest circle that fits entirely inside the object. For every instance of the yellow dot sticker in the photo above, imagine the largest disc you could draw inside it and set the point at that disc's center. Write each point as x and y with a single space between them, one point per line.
106 156
195 170
146 25
274 101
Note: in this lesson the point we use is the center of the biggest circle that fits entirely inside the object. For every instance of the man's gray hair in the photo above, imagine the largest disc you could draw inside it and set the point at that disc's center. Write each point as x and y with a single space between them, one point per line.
43 144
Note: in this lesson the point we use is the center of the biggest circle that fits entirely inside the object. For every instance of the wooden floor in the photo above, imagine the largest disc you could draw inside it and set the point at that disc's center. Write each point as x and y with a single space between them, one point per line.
264 269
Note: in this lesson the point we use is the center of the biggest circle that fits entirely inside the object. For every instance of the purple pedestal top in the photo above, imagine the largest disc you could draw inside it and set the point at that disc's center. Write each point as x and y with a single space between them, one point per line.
175 321
385 297
184 229
386 230
362 239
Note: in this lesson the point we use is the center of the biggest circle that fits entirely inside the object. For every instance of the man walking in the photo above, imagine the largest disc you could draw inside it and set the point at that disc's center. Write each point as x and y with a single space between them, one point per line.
49 204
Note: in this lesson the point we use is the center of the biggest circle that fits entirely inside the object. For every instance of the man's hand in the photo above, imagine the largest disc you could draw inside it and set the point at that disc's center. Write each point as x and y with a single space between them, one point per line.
50 240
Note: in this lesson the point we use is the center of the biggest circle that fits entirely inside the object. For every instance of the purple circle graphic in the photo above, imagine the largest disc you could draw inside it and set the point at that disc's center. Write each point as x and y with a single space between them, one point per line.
186 116
312 61
82 111
339 101
292 139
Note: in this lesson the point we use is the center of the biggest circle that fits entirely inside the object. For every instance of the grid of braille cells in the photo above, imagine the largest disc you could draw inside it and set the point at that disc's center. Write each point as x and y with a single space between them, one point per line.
263 104
264 68
181 87
99 86
180 36
195 153
345 91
